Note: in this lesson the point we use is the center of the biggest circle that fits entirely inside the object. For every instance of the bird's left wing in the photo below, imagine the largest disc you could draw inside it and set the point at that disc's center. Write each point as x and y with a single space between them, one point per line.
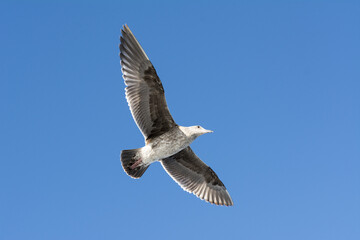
194 176
144 91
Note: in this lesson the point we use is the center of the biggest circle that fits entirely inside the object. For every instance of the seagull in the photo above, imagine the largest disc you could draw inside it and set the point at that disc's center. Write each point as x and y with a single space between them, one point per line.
165 141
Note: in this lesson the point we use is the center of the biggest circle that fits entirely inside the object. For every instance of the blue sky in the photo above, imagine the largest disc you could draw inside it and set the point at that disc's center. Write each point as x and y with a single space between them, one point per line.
278 83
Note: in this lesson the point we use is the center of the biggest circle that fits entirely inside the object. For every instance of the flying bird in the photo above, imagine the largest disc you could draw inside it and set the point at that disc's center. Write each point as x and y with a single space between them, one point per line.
165 141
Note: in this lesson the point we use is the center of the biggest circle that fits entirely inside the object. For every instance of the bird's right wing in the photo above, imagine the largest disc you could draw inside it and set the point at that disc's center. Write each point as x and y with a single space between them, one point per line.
194 176
144 91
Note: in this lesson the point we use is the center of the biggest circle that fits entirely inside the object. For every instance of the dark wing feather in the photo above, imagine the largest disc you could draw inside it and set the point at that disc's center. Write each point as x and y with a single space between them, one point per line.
194 176
144 91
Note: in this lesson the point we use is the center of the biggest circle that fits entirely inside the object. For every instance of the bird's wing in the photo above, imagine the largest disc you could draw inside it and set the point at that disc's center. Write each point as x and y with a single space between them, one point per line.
194 176
144 91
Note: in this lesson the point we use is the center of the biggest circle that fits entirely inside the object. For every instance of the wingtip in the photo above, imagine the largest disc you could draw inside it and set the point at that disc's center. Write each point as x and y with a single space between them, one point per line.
222 198
126 29
218 198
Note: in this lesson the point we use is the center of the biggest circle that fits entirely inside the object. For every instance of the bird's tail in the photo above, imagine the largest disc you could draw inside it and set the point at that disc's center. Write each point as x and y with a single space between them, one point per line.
132 163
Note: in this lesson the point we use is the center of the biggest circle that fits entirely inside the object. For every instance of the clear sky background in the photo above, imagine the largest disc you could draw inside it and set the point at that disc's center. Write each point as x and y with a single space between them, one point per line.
278 83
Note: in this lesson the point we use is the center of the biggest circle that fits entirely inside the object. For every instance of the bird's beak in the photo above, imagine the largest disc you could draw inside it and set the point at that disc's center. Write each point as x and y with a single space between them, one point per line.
209 131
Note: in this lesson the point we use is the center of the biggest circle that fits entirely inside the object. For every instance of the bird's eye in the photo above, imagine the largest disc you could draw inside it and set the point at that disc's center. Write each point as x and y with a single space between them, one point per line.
198 126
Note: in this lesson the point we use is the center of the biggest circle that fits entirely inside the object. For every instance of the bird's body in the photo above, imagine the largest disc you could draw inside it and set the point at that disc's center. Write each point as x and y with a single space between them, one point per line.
165 141
168 143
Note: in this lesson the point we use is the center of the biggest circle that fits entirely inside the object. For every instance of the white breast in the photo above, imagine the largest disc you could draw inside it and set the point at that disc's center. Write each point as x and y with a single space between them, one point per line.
164 146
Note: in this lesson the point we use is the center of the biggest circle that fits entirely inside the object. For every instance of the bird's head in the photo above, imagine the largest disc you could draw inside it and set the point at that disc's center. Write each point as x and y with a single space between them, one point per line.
194 131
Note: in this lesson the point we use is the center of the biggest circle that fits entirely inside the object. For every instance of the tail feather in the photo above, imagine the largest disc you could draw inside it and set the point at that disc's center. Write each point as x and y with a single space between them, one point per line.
128 159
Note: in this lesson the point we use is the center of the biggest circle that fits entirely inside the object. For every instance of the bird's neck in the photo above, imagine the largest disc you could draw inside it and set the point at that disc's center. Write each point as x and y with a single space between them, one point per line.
188 132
